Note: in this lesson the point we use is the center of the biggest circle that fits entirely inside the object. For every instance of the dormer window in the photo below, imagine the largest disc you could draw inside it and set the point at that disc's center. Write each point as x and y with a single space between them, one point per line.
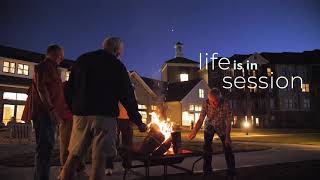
9 67
23 69
184 77
201 93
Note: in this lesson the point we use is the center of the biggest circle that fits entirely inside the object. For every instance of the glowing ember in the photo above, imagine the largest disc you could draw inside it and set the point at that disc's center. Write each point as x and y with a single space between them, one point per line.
164 126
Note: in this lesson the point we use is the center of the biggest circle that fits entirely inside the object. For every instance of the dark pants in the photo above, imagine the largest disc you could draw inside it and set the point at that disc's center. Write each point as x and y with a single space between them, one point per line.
207 157
126 131
45 140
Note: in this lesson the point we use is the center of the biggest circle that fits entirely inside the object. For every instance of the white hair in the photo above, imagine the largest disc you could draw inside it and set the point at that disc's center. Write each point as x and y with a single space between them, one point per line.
112 44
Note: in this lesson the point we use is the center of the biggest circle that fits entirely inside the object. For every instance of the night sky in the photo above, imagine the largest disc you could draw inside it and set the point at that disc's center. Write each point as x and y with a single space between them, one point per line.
150 28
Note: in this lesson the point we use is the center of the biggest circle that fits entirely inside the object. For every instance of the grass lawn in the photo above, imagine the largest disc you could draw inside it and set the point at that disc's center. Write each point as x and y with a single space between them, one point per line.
293 170
285 136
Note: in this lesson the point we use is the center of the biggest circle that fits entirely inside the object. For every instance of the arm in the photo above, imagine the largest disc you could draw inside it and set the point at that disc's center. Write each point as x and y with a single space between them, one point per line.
201 117
127 97
41 79
228 119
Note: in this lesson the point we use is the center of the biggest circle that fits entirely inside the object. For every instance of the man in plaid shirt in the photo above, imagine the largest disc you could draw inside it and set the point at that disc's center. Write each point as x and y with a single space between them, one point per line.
218 113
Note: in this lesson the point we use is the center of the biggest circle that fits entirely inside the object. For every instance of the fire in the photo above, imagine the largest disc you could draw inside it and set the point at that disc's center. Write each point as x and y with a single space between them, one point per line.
164 126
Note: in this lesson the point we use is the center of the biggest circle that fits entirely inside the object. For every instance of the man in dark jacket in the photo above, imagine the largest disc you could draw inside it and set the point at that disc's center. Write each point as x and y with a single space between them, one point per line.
98 81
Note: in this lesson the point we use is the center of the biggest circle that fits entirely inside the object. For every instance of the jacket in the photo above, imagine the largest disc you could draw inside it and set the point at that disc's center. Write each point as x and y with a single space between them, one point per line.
97 82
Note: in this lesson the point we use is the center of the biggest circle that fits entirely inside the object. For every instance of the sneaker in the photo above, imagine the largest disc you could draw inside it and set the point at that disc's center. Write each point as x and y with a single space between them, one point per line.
207 173
231 172
108 172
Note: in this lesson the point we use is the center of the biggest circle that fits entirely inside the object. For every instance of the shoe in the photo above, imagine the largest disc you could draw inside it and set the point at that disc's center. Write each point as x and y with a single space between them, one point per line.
108 172
231 172
207 173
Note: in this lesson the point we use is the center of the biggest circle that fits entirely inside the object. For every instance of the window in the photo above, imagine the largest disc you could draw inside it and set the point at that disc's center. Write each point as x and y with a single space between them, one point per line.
23 69
67 75
15 96
142 106
191 107
306 103
8 113
201 93
197 108
144 116
153 107
10 96
186 121
257 121
9 67
290 104
184 77
269 72
305 88
19 112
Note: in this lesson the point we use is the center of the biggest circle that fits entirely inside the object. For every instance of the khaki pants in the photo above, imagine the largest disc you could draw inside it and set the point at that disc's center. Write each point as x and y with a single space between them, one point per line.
65 128
99 131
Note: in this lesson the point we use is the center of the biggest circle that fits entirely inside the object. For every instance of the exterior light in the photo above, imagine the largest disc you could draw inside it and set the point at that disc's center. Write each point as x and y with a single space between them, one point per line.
246 126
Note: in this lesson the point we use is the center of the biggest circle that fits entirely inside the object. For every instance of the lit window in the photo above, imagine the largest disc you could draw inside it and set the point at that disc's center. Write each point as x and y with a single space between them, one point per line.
184 77
15 96
144 116
191 107
305 88
153 107
257 121
8 113
196 117
197 108
269 72
67 75
19 113
141 106
186 121
22 97
201 93
9 67
23 69
10 96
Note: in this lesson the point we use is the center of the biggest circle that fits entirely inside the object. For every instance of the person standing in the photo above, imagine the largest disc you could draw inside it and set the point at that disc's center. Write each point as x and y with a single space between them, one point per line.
218 121
126 132
46 107
98 81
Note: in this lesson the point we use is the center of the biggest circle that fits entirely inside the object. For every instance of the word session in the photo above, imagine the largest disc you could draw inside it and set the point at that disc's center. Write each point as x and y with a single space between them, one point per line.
251 82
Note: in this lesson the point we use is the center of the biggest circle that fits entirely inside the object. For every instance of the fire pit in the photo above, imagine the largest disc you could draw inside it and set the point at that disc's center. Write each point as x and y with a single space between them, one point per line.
162 147
160 138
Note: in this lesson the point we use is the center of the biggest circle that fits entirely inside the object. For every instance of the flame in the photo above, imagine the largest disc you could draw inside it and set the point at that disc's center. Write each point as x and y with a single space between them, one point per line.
164 126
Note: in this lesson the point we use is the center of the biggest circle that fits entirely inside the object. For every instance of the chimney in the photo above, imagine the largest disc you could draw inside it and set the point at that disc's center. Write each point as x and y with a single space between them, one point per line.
178 48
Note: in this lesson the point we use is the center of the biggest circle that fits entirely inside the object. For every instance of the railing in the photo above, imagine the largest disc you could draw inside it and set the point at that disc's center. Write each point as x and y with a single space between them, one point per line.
20 131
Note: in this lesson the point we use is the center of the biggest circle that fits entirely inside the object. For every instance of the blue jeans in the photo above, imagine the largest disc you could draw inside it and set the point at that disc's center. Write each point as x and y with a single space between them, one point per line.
207 148
44 131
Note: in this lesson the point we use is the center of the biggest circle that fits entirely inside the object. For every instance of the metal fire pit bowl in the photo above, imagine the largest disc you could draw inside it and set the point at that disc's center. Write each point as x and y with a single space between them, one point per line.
170 158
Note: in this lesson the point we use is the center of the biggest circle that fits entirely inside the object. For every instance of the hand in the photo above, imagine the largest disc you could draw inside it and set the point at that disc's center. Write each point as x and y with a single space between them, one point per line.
192 135
143 127
227 141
